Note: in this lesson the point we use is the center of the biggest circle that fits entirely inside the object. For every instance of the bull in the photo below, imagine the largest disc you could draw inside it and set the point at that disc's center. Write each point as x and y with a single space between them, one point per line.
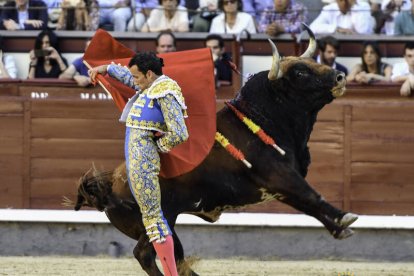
285 102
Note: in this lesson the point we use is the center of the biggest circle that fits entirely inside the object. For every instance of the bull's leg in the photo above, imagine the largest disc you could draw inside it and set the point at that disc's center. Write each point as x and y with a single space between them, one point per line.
338 231
145 254
296 192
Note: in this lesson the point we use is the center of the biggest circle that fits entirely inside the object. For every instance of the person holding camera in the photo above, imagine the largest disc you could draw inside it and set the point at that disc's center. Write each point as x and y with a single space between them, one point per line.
45 60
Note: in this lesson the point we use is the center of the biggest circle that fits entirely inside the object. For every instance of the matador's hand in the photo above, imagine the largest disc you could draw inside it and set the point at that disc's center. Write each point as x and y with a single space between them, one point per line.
93 72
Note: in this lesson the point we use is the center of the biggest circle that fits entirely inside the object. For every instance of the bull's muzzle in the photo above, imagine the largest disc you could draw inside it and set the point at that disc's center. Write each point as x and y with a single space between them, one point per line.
339 88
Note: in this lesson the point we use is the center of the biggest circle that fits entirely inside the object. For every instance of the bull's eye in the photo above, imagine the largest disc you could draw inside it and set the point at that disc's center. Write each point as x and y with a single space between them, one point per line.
300 74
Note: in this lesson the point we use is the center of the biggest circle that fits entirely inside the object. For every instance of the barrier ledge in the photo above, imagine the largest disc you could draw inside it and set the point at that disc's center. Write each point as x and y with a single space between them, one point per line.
226 219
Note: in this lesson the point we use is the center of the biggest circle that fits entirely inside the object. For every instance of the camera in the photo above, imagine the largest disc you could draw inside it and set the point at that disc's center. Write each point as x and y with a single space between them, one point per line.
41 52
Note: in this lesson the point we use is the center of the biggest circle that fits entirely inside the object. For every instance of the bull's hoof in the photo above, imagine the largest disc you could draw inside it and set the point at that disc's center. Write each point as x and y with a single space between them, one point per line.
347 220
346 233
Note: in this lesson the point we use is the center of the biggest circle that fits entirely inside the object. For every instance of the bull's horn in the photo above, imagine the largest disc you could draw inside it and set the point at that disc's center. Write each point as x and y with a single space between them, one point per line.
274 70
312 43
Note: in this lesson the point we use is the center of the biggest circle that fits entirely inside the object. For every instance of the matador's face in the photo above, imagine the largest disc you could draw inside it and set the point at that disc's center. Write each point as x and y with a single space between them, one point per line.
142 80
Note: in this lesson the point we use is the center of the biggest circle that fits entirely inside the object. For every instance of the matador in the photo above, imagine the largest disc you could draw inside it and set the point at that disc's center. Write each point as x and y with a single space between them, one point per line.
154 119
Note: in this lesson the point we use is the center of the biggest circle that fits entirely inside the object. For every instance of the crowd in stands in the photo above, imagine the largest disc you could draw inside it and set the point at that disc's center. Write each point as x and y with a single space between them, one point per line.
272 17
215 16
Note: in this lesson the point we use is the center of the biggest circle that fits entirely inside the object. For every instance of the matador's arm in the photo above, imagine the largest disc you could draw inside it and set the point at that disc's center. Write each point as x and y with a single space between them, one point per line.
177 130
122 74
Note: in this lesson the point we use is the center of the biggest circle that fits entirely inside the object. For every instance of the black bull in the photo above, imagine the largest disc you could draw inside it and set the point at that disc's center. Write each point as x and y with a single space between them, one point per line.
285 102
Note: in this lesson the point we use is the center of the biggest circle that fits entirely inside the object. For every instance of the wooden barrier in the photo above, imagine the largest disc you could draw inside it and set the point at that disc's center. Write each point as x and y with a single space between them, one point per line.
362 146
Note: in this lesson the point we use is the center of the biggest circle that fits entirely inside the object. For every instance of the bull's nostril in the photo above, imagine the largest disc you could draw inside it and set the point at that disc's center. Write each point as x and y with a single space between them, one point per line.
339 77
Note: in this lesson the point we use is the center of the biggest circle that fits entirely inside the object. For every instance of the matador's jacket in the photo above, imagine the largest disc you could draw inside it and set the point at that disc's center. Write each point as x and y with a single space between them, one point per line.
159 108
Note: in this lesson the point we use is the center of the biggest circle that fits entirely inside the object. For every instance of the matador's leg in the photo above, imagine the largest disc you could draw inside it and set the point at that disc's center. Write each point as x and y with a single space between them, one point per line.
143 167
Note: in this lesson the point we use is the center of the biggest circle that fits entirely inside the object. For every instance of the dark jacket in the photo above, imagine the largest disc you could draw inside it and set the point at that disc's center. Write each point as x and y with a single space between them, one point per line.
37 10
341 68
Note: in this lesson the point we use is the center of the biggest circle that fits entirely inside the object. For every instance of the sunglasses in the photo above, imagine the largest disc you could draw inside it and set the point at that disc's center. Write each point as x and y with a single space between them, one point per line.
229 1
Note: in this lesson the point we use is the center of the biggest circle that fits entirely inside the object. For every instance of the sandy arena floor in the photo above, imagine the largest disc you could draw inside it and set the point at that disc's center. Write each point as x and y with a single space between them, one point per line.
91 266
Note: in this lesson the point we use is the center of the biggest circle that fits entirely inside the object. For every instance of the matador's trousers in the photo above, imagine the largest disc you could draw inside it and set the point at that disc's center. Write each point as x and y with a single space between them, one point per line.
143 167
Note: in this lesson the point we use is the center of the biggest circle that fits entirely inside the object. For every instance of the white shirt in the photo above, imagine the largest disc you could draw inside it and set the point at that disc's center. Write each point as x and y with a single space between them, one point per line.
9 65
157 21
358 19
400 69
23 16
244 21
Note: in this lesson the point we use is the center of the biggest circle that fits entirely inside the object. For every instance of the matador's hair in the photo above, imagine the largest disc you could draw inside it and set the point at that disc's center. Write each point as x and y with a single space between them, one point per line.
147 61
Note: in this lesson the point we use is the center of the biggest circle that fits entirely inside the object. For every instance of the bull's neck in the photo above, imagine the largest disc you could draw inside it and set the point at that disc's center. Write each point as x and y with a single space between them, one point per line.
296 123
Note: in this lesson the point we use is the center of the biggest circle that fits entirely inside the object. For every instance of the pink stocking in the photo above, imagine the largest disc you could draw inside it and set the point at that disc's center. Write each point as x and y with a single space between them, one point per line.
165 252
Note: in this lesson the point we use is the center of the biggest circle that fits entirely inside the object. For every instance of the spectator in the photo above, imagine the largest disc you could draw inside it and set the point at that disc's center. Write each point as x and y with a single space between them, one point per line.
286 17
78 71
165 42
207 11
168 16
314 8
24 15
256 7
404 22
8 68
192 8
142 10
115 12
80 15
45 59
372 68
404 72
53 10
328 51
392 8
232 20
222 70
346 17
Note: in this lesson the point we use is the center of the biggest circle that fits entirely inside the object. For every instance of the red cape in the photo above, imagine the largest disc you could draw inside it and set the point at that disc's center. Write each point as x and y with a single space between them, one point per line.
193 70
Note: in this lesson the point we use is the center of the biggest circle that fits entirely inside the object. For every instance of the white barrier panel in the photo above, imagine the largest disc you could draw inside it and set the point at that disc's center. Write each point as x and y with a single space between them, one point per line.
226 219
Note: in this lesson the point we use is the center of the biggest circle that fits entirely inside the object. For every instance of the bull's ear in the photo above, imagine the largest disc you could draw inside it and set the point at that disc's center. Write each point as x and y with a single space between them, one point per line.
79 202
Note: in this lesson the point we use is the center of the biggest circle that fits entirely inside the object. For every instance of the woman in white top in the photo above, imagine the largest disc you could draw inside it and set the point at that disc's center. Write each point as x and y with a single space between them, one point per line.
233 20
167 16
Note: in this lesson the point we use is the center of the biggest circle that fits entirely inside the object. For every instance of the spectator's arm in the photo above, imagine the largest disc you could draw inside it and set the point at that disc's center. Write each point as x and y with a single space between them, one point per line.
323 23
251 27
183 21
32 65
263 21
362 20
399 79
388 73
82 81
69 73
355 71
38 18
151 23
399 73
10 66
296 23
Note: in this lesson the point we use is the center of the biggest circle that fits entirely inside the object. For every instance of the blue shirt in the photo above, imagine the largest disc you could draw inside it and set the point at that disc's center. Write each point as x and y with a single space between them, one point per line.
80 67
404 23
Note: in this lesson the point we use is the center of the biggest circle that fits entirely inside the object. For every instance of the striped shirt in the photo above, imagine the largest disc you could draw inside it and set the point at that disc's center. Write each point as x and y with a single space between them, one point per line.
290 19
